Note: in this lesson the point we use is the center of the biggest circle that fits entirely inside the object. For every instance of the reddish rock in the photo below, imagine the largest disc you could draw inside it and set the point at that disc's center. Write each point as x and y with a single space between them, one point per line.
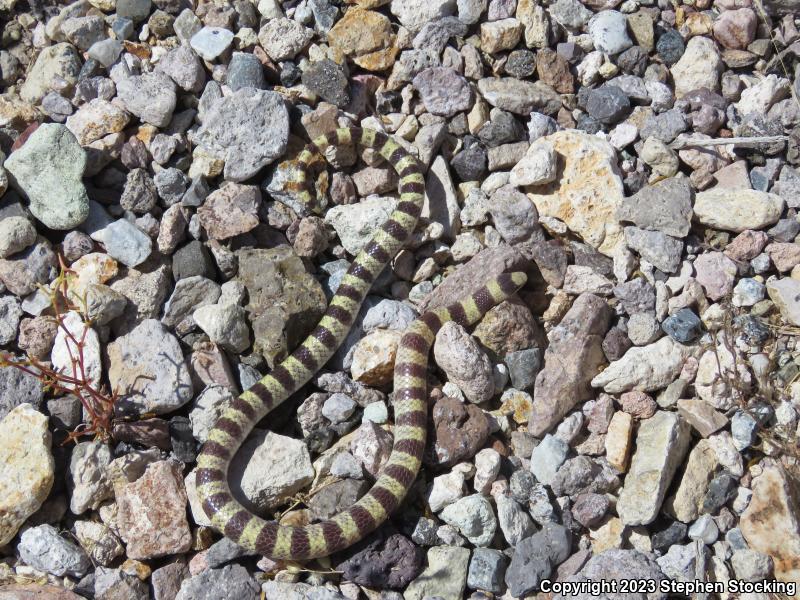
638 404
458 432
553 69
572 359
784 255
747 245
230 211
152 513
735 29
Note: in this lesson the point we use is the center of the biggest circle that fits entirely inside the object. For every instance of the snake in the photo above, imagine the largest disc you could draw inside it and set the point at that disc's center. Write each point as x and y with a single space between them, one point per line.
240 415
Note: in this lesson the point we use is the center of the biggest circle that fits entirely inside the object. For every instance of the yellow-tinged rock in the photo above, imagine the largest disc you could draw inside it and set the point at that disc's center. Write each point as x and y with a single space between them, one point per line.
17 113
687 503
618 440
373 357
366 37
608 535
771 522
94 267
26 468
587 190
517 404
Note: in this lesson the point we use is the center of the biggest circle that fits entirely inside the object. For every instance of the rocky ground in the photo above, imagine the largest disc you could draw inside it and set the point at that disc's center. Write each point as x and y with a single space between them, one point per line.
632 413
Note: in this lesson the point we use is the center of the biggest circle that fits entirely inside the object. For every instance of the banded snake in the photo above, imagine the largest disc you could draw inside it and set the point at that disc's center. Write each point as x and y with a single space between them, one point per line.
316 540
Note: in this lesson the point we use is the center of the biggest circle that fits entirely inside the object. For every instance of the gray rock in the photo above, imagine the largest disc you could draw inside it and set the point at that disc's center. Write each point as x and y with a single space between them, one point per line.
575 352
519 96
514 215
547 457
150 96
224 551
189 293
608 104
570 13
135 10
660 250
269 469
536 557
16 234
106 51
139 195
56 61
328 81
679 563
88 482
523 367
245 70
474 518
125 242
445 576
10 315
225 325
487 569
514 522
338 408
248 129
116 584
48 169
443 91
616 565
84 31
665 206
149 381
665 126
751 565
284 38
44 549
185 69
22 273
171 185
232 582
211 42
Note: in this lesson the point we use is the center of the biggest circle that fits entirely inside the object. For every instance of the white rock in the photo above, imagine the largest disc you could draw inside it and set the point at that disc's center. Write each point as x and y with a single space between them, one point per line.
269 469
487 467
413 14
88 481
225 324
355 223
737 210
537 167
515 523
645 368
206 410
699 66
445 490
65 349
661 444
26 468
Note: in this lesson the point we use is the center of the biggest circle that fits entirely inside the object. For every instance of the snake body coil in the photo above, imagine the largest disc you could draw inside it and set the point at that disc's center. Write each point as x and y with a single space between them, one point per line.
410 404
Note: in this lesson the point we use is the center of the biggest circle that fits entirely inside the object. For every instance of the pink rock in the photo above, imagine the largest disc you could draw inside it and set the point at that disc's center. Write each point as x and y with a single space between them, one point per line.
735 29
735 176
716 273
784 255
638 404
747 245
371 446
152 513
198 563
